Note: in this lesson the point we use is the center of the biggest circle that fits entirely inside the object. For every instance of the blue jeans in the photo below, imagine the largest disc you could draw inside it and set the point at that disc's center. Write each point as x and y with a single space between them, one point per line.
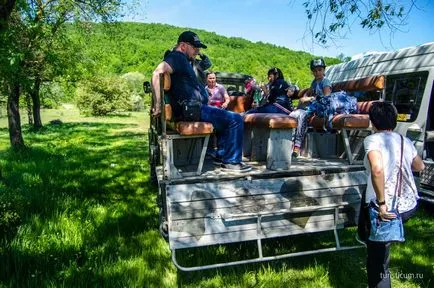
229 128
267 108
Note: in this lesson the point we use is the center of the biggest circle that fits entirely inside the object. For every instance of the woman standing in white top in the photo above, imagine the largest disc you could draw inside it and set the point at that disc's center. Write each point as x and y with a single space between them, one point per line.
382 157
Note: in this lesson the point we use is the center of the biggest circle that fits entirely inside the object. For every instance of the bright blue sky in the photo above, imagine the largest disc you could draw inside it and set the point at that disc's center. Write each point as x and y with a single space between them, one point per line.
280 22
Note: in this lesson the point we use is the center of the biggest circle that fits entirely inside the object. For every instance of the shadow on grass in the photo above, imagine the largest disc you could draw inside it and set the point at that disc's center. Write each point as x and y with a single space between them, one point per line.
89 216
339 269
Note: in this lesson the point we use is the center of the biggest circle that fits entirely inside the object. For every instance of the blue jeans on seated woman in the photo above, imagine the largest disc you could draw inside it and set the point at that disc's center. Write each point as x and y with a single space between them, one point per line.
230 128
267 108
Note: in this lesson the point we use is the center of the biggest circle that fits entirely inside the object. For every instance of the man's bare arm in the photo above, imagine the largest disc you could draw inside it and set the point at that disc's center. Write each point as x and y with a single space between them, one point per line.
163 67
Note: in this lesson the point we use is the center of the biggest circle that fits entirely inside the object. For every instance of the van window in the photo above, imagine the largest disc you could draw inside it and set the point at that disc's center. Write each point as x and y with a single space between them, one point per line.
406 92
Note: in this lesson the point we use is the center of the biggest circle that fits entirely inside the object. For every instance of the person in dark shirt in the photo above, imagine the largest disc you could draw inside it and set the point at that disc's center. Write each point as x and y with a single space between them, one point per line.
276 90
200 65
185 87
280 101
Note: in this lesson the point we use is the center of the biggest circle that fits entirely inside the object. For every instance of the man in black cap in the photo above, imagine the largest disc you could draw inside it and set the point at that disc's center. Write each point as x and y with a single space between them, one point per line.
186 87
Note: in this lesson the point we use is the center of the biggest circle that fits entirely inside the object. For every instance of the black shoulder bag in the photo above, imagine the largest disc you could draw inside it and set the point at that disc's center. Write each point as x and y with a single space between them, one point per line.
191 110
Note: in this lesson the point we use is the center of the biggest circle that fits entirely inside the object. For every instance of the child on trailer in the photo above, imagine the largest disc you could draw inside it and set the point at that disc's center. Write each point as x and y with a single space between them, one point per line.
325 103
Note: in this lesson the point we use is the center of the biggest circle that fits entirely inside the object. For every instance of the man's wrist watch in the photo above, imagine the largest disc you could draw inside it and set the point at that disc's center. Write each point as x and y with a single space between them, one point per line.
379 203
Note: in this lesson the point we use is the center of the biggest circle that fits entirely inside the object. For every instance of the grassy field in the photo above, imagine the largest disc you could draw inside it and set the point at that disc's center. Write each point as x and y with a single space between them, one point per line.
77 210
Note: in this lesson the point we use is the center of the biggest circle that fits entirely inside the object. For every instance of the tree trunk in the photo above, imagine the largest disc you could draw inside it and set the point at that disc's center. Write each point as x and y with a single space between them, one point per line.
6 7
15 135
29 109
36 104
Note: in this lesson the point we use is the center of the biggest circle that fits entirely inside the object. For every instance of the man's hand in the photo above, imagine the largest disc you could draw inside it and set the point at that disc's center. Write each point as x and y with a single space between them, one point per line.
384 214
156 111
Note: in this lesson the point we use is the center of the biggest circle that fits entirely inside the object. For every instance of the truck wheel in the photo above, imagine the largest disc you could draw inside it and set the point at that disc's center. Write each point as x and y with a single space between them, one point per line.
164 226
154 158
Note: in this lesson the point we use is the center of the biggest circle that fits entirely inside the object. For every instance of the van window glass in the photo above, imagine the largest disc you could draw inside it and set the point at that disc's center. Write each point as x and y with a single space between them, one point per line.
406 92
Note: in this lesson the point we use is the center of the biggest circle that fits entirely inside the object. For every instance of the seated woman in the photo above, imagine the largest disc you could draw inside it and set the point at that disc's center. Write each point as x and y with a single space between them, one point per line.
218 96
280 101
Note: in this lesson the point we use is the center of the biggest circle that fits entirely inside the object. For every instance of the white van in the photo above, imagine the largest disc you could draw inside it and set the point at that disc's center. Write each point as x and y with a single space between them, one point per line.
409 77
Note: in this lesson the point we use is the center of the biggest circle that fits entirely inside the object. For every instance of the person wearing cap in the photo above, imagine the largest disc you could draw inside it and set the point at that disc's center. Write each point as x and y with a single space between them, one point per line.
321 86
186 87
280 101
200 65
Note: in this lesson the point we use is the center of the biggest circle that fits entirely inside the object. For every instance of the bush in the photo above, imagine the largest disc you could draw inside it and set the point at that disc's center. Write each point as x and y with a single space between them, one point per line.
135 83
103 95
55 92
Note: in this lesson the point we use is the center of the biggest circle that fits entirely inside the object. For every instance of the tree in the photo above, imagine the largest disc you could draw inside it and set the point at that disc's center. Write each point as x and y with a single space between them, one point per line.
343 58
6 7
27 48
329 20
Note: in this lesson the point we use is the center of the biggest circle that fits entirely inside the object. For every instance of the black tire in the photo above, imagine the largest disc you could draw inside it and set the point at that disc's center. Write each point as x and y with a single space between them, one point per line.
163 226
154 157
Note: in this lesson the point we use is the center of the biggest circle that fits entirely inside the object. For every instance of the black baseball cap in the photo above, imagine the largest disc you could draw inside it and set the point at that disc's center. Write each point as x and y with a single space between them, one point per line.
192 38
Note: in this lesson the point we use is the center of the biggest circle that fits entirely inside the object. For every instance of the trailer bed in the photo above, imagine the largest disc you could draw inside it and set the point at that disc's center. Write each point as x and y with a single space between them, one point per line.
220 207
300 166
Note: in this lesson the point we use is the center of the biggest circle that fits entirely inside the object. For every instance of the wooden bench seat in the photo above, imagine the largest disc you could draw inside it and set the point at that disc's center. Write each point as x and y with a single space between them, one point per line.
191 128
175 130
270 120
345 121
372 83
268 137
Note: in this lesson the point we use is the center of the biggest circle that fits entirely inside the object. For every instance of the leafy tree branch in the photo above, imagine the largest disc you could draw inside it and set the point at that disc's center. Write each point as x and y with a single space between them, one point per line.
329 20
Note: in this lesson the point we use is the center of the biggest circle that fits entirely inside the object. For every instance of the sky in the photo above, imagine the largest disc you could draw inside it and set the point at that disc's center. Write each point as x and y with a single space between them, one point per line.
282 23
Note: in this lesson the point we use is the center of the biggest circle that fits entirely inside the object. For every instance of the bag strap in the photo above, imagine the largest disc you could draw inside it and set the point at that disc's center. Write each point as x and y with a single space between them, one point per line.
398 186
282 108
400 166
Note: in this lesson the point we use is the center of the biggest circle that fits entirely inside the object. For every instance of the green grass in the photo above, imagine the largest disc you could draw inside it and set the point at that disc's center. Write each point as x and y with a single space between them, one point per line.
80 212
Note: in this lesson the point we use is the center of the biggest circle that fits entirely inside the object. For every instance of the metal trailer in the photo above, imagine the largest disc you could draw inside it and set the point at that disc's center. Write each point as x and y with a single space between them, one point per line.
202 205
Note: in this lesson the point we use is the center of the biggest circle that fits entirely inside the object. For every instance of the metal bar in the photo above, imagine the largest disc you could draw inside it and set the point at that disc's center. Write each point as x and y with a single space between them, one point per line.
172 171
191 147
228 217
179 136
335 230
166 161
347 146
256 260
162 100
259 233
202 154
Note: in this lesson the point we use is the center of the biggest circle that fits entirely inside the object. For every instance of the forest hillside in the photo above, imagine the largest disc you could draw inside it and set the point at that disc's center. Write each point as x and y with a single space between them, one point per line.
129 47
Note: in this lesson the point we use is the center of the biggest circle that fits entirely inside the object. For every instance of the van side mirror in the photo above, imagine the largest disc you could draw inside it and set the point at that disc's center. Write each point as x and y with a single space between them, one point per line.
147 87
